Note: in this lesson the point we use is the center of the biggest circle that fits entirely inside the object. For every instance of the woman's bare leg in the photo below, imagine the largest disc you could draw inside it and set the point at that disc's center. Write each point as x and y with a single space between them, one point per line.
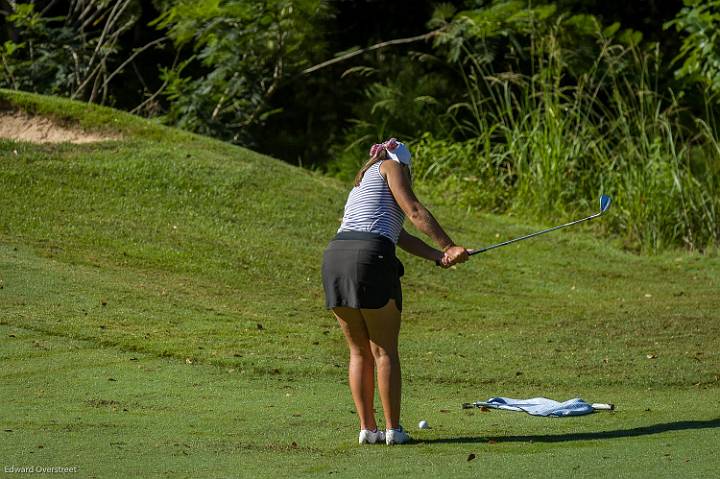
361 370
383 327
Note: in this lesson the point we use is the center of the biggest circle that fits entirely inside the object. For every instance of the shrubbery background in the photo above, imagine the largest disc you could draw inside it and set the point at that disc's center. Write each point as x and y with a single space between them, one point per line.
533 108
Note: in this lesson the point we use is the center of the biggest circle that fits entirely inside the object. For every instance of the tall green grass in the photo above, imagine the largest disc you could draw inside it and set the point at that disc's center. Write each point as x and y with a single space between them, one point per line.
546 146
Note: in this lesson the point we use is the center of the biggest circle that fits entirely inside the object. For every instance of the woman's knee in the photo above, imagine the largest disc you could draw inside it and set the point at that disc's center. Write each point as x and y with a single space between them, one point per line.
361 352
385 354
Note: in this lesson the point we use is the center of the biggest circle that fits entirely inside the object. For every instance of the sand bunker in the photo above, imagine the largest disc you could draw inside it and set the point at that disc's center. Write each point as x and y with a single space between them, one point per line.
36 129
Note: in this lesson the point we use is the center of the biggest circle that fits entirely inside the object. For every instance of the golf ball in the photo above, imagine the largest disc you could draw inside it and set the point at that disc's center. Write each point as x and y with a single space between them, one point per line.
423 425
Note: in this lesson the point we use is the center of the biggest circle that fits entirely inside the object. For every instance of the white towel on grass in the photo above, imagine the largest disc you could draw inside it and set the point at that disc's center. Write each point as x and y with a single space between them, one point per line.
540 406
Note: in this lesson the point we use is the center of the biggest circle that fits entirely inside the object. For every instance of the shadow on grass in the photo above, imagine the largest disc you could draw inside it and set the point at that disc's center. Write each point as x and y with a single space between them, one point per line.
583 436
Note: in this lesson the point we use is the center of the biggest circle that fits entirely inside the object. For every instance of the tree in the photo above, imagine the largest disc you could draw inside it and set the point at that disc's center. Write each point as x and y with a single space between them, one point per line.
699 23
73 50
242 51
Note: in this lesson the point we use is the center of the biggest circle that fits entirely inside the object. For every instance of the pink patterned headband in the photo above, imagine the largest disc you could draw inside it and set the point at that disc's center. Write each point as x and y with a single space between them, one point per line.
389 145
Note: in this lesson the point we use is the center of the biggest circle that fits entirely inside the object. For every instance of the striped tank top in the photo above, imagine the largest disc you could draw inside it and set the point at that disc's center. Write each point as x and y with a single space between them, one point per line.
372 208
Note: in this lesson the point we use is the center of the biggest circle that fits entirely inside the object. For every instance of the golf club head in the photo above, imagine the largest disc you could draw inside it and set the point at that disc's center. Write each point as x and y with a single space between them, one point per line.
605 201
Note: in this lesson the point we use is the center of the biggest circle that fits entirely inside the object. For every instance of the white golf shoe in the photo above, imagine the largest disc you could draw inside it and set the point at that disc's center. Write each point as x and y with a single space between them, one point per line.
371 437
396 436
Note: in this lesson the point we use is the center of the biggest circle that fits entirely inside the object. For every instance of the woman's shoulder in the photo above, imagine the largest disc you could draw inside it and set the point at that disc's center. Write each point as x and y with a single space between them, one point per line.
388 166
381 168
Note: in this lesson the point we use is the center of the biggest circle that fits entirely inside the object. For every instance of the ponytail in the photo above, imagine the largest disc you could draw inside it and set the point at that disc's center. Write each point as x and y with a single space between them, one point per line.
378 152
380 155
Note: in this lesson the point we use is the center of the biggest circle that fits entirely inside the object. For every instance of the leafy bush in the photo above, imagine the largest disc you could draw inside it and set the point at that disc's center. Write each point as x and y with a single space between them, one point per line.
76 54
242 51
543 146
405 97
699 21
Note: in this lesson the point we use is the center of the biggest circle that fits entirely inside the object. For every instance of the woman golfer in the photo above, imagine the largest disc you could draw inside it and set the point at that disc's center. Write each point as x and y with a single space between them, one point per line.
361 277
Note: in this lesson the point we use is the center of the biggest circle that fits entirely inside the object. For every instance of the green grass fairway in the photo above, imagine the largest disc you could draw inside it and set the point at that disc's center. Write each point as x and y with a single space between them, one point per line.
161 315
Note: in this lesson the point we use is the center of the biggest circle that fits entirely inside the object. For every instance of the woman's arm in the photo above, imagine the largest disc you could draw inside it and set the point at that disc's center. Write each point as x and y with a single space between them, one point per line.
399 183
414 245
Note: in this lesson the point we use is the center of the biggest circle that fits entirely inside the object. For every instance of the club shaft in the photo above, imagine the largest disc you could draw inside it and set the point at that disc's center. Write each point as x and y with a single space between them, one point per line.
514 240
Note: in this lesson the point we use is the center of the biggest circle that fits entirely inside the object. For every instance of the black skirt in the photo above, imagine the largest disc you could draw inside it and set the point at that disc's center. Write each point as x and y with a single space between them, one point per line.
360 270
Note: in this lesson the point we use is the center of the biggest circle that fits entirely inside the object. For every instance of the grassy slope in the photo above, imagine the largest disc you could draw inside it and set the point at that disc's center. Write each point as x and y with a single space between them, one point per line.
187 271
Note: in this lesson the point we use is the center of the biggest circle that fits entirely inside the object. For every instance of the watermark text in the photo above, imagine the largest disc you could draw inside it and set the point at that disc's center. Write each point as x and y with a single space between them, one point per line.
41 469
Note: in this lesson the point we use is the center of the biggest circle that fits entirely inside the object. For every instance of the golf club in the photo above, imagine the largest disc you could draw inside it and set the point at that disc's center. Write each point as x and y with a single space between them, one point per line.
604 205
